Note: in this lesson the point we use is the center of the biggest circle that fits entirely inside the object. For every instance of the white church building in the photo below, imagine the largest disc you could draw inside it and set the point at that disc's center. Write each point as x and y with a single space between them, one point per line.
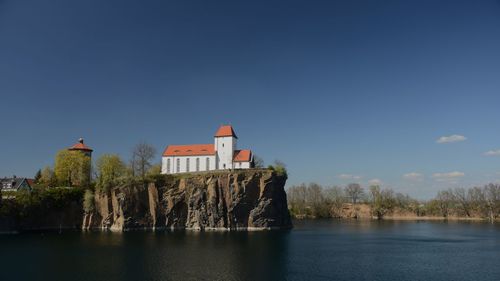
221 155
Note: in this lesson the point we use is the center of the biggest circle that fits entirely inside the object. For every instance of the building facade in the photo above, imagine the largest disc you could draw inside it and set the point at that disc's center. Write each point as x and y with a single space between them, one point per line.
221 155
16 184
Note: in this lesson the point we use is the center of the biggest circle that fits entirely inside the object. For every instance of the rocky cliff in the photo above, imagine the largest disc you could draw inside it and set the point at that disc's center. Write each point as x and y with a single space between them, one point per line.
244 199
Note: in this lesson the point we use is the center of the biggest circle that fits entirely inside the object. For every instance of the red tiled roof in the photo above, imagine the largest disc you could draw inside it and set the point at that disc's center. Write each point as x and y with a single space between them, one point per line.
31 182
189 150
242 155
80 146
225 131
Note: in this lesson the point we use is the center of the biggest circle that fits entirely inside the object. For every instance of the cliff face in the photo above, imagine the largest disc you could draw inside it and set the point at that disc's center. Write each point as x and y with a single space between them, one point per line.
246 199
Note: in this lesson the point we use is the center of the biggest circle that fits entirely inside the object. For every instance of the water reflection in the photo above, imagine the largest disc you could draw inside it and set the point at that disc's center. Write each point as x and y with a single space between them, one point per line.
181 255
314 250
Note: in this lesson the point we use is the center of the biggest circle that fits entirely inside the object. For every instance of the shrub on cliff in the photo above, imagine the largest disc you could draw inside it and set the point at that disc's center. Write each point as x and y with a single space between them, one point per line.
39 202
88 201
279 167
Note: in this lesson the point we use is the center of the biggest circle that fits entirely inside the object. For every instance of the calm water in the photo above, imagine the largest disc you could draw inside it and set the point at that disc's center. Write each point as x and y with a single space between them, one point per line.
314 250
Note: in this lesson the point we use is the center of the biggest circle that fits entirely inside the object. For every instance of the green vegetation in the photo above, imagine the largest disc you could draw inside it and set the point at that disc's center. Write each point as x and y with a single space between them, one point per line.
47 178
279 167
88 201
71 180
382 201
314 201
481 202
39 202
72 168
110 168
38 176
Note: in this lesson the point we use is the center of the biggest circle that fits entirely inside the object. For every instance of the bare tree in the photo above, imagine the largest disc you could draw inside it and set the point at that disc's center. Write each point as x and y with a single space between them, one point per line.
463 200
335 197
315 200
297 199
444 201
382 201
491 195
478 201
354 192
142 156
258 162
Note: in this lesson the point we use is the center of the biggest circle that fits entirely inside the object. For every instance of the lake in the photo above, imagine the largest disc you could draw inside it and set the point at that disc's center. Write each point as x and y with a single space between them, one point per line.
313 250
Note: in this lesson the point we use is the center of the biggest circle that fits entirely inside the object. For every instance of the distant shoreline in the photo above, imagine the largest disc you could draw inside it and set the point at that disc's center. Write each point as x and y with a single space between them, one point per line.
403 218
363 212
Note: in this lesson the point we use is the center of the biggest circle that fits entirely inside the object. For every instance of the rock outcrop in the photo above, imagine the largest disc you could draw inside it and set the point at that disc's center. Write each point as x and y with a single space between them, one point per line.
236 200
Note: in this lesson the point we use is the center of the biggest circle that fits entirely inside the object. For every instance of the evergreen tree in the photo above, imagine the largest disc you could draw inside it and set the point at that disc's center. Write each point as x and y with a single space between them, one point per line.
38 176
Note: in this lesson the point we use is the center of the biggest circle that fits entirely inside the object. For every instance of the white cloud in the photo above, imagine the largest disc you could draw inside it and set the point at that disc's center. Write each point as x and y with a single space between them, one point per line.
492 153
413 176
450 139
451 176
348 177
375 182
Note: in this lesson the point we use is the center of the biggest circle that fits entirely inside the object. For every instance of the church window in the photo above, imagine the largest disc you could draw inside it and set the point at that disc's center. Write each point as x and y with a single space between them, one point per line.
187 165
168 165
178 165
197 164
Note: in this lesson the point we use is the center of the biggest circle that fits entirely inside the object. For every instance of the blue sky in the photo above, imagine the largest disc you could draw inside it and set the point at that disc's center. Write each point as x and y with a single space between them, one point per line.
341 91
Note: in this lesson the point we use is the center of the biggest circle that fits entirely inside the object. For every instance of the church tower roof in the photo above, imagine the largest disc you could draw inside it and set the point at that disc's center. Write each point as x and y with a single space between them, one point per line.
225 131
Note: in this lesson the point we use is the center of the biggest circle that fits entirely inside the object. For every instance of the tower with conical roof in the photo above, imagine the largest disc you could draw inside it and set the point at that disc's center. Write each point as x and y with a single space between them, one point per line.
87 151
80 146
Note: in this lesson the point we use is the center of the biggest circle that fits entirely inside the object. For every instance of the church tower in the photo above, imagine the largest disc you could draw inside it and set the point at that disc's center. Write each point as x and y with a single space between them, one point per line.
225 145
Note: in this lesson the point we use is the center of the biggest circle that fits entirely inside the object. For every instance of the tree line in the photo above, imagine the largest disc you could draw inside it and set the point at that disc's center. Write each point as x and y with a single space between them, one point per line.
74 169
315 201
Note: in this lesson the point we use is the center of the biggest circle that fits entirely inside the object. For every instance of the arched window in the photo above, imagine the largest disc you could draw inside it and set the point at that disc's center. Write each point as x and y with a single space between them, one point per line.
197 164
207 164
168 165
187 165
178 165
